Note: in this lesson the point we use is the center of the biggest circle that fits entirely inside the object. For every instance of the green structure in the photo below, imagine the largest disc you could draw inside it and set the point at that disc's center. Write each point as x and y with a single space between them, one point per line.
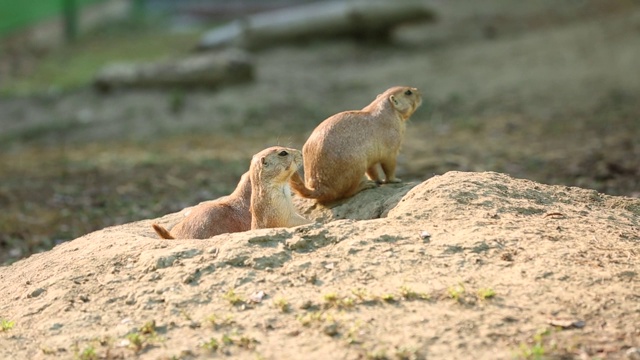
17 15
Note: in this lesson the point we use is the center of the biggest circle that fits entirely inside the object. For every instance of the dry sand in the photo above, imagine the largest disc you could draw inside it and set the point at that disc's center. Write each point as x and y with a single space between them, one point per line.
463 265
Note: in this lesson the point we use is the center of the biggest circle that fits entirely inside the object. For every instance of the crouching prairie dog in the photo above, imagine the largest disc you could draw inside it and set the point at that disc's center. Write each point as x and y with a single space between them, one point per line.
271 204
226 215
349 144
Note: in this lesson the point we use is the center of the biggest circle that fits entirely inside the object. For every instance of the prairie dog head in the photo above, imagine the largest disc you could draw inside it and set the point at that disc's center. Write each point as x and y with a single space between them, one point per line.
405 100
276 164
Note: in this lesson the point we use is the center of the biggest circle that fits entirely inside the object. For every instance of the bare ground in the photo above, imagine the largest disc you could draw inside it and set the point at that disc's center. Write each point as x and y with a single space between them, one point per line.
540 91
465 265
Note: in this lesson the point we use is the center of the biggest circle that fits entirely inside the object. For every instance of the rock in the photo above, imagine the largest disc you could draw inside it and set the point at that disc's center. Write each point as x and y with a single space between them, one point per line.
36 293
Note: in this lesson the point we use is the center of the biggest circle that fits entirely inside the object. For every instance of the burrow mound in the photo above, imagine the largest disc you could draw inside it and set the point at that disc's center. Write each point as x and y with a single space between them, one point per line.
394 270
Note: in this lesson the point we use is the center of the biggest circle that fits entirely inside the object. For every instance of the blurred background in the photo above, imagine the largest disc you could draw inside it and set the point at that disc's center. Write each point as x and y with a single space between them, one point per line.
544 90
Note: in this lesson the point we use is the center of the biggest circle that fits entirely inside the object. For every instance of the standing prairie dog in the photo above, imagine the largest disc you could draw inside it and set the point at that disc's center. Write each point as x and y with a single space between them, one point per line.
225 215
271 204
349 144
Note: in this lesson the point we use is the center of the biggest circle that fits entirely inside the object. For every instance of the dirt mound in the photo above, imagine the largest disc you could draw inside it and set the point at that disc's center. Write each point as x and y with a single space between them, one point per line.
463 265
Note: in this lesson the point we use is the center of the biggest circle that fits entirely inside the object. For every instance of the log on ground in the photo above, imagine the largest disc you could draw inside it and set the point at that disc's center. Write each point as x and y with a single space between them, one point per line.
206 70
371 20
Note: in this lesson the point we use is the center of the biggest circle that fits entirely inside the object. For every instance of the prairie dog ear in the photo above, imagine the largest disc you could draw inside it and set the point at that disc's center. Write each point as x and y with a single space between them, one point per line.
264 160
401 104
393 100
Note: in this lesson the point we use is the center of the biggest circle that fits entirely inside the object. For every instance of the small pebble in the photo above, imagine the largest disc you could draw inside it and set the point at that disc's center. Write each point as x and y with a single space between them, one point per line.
257 297
124 343
188 279
36 293
633 353
331 329
131 299
194 324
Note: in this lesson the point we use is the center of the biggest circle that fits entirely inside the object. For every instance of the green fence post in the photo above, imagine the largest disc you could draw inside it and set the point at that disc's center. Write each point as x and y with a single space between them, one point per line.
70 13
137 11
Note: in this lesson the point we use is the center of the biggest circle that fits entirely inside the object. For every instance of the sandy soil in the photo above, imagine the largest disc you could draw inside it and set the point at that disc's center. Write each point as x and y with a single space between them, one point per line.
511 268
543 91
464 265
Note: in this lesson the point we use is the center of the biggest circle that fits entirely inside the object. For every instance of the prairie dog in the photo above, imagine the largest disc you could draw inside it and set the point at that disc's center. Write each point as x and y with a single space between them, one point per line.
225 215
349 144
271 204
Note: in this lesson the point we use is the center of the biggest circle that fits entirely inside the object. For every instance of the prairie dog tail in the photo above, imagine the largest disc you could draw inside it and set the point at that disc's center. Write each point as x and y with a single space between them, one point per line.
162 232
297 185
322 195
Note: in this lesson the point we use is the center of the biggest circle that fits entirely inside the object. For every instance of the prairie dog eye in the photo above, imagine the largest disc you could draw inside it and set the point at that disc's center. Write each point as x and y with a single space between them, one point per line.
408 92
283 153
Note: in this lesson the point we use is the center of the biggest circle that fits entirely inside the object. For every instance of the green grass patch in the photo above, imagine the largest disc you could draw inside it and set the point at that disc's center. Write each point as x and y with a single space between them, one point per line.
6 325
75 65
486 293
456 292
537 349
233 298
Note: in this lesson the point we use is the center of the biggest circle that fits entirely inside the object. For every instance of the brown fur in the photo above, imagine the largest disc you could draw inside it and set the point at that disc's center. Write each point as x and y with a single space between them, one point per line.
271 204
349 144
225 215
